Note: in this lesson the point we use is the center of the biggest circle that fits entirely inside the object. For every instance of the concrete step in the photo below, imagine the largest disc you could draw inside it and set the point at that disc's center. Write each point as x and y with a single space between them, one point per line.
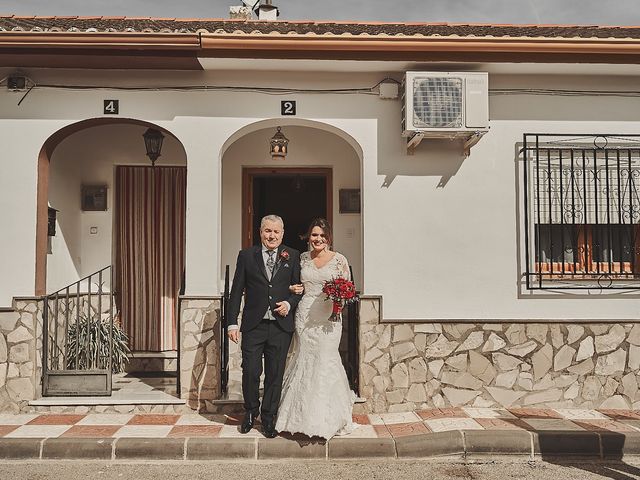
149 392
150 404
154 398
233 403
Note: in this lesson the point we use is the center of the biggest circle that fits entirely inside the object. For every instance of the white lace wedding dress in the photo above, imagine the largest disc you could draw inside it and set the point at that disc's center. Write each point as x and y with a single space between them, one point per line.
316 398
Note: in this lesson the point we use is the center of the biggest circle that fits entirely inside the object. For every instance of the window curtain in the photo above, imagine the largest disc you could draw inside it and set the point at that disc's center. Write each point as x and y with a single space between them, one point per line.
150 251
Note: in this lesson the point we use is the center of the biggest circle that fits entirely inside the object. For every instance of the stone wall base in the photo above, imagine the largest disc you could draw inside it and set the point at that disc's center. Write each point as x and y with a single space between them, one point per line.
408 366
403 366
199 351
20 361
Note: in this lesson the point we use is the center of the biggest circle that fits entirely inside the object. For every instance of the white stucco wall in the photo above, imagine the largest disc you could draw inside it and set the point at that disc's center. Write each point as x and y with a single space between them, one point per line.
64 262
439 231
21 142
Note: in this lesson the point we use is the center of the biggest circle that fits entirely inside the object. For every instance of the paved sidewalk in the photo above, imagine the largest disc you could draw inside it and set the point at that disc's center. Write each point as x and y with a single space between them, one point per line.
449 431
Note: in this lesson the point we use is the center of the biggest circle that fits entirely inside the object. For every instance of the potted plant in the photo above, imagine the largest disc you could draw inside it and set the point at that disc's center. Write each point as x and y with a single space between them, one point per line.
93 353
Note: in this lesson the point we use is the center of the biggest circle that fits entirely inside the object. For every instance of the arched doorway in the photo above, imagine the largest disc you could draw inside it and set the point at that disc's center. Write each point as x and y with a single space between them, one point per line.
323 162
114 208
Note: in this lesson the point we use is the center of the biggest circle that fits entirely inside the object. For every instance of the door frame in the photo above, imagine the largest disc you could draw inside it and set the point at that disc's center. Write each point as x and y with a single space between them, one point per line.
248 174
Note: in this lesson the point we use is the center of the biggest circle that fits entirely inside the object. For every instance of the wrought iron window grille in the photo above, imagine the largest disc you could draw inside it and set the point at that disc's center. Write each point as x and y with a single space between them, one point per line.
582 211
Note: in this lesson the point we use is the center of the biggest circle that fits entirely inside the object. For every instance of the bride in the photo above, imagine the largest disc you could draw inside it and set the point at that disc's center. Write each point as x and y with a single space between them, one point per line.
316 398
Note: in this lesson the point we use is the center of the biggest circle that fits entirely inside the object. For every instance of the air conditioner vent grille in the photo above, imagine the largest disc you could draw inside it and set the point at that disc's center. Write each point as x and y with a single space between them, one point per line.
438 102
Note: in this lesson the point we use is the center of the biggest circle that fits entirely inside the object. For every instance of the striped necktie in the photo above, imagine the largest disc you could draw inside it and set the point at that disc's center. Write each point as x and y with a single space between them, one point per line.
270 263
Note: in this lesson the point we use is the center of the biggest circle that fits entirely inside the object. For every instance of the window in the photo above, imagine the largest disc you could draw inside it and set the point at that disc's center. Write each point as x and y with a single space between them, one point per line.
582 211
586 249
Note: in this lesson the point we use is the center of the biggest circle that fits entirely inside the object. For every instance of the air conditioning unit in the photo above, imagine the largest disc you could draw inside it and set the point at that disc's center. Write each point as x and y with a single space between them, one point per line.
445 105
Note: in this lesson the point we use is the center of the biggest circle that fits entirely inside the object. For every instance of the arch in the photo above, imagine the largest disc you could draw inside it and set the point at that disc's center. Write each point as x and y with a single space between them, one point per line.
237 181
42 192
286 122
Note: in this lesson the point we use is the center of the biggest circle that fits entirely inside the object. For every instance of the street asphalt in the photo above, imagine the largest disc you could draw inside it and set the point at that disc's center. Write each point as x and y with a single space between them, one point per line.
351 470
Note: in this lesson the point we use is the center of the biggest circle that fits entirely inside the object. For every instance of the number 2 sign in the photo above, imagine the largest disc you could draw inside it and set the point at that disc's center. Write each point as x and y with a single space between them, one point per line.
288 107
111 107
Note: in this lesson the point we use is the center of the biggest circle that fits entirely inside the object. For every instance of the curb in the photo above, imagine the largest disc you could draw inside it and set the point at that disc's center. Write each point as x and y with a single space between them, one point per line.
431 444
464 444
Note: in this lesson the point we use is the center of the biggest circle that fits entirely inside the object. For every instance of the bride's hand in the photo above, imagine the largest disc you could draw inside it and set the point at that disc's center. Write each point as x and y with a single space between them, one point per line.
298 289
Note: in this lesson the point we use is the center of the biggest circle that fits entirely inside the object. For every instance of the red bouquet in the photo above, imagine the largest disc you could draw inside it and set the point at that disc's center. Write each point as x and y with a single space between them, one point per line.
341 292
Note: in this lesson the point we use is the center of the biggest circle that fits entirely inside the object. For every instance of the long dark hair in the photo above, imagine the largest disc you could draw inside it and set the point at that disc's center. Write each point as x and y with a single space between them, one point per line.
326 229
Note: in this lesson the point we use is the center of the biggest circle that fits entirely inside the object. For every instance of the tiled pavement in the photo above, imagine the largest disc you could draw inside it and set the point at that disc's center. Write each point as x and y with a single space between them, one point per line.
529 432
369 426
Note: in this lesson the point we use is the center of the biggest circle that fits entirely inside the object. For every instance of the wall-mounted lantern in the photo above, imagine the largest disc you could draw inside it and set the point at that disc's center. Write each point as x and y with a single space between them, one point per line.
279 145
153 143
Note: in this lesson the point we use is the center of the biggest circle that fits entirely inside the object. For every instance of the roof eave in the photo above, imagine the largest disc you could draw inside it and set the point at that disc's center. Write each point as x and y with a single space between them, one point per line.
115 40
213 42
369 47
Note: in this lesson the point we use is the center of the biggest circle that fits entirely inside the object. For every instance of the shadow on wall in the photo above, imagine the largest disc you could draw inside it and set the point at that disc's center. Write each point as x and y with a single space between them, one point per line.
432 158
555 107
199 353
577 98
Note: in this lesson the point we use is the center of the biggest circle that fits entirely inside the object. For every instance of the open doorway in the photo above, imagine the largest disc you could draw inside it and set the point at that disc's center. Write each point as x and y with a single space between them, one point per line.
298 195
150 204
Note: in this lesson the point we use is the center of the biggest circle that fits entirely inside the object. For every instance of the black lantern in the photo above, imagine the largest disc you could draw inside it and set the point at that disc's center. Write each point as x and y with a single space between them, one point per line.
279 145
153 142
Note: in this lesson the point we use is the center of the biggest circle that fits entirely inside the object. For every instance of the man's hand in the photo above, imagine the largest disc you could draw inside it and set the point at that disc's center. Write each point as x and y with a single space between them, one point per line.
282 308
233 335
298 289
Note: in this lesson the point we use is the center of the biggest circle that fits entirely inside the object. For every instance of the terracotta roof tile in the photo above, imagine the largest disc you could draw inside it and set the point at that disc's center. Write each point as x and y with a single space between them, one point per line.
255 27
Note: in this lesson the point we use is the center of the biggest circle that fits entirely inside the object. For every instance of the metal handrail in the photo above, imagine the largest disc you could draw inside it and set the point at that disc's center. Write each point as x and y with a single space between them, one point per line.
79 282
57 314
353 356
224 339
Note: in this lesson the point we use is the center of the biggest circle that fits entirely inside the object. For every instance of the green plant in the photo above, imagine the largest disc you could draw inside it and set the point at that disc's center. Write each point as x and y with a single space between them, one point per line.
93 353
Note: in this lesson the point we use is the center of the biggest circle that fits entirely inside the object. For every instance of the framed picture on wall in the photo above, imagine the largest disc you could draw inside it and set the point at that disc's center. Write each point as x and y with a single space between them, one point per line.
349 200
94 198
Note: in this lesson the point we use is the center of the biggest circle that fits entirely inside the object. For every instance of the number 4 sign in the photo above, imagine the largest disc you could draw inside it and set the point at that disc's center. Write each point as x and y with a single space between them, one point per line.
111 107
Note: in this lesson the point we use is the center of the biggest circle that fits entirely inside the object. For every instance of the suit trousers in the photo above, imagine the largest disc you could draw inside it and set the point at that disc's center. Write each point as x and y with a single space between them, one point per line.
271 341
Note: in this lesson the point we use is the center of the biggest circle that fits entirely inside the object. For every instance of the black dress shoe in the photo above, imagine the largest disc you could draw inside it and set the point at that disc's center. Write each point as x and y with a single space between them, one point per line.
269 429
247 422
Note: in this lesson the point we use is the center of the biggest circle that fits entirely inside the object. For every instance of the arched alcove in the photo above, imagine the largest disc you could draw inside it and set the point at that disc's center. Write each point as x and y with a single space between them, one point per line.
93 144
322 160
139 229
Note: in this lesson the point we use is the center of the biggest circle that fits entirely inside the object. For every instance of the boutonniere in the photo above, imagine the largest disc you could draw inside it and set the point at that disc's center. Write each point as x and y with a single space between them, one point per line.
284 255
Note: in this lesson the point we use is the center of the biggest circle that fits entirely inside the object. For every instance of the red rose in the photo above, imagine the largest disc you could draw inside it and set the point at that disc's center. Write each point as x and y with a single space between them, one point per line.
284 255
